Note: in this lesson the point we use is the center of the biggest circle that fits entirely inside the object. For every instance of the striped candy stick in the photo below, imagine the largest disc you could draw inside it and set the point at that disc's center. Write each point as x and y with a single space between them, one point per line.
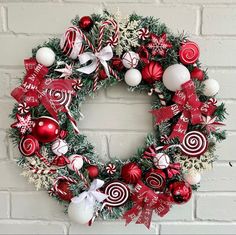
159 94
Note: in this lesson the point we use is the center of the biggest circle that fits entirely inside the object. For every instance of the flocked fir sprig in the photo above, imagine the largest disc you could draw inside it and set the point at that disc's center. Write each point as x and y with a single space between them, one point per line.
97 52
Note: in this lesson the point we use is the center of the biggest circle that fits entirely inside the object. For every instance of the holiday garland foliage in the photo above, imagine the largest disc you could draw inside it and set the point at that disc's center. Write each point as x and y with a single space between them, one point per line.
128 40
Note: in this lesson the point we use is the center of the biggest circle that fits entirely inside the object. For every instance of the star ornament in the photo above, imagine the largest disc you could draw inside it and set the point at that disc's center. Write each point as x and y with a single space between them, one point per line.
23 124
159 44
66 72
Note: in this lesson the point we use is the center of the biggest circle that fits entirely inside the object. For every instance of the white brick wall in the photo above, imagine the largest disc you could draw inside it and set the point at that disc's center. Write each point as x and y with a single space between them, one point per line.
115 120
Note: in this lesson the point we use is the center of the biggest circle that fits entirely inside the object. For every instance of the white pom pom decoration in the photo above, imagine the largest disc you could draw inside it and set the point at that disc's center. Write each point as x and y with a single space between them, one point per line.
81 212
211 88
45 56
59 147
76 162
133 77
130 59
192 178
174 76
161 161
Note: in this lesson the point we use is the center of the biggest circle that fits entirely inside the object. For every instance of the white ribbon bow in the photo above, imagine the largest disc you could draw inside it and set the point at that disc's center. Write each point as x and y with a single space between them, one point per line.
91 196
102 56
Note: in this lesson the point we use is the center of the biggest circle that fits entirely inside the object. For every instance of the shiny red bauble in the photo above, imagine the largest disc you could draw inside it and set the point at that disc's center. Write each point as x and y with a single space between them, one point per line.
152 72
64 191
117 64
102 74
181 191
197 74
131 173
86 23
156 179
93 171
46 129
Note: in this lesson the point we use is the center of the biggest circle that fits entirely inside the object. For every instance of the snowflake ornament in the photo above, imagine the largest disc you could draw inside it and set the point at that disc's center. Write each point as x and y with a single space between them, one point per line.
23 124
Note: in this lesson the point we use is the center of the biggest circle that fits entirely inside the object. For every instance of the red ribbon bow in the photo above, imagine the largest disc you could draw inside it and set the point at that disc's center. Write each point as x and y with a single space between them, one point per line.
145 202
173 169
187 102
54 94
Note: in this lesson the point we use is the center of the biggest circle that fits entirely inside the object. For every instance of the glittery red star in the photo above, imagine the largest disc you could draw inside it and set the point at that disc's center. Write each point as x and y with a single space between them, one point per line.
23 123
158 44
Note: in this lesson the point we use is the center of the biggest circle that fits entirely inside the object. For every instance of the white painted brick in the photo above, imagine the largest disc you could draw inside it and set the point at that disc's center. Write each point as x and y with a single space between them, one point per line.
220 178
3 145
219 20
226 149
4 205
10 177
111 228
18 48
31 227
231 117
6 108
36 205
116 117
217 51
4 83
200 1
55 18
224 207
176 24
198 228
123 146
226 79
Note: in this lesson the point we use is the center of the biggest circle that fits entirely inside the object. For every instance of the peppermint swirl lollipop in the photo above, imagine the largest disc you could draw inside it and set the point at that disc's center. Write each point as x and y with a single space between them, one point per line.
29 146
118 193
156 179
194 144
62 98
189 53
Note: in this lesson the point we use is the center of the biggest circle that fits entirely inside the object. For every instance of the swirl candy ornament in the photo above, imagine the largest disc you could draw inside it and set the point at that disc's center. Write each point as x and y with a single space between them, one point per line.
118 194
194 144
156 179
189 53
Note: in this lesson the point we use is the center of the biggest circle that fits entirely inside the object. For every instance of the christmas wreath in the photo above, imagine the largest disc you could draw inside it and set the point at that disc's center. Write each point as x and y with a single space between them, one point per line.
96 52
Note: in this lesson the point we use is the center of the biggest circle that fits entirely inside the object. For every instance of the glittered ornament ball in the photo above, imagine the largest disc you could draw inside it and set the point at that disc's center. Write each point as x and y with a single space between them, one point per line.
130 59
197 74
45 129
174 76
131 173
64 192
152 72
211 88
192 177
76 162
161 161
181 191
93 171
133 77
59 147
86 23
45 56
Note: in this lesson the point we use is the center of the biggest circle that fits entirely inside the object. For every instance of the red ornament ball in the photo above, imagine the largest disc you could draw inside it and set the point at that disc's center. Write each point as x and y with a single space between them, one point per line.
131 173
102 74
64 191
152 72
86 23
181 191
46 129
156 179
117 64
93 171
197 74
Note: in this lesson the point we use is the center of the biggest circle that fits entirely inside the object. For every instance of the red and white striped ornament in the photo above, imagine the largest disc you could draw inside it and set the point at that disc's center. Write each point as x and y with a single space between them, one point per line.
143 33
23 108
111 168
77 85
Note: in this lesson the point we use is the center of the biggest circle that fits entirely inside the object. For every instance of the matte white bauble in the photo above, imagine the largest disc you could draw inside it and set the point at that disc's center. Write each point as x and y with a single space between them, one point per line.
45 56
130 59
211 88
81 212
174 76
76 162
59 147
192 178
161 161
133 77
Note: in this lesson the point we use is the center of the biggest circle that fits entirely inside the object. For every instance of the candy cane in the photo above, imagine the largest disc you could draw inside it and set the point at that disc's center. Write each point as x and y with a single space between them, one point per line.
72 120
55 188
37 170
86 160
86 184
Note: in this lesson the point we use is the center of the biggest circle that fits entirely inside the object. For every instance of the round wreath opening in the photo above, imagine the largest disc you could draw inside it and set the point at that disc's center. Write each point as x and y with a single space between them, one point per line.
96 52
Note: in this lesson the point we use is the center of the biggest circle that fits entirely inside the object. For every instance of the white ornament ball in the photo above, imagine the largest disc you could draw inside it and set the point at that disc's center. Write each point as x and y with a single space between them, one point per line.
80 212
59 147
76 162
211 88
130 59
45 56
174 76
133 77
192 178
161 161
